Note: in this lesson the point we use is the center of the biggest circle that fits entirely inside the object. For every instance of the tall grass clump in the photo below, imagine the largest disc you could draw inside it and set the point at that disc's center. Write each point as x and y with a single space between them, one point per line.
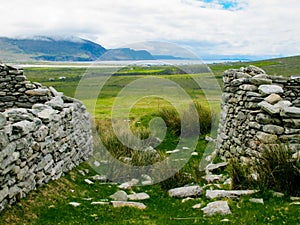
274 169
138 152
173 120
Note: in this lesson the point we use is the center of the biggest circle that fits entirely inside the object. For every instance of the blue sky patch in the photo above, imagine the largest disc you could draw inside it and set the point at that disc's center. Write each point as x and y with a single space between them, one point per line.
226 4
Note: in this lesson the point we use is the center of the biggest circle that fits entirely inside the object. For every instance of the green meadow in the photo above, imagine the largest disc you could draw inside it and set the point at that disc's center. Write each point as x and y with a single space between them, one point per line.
102 91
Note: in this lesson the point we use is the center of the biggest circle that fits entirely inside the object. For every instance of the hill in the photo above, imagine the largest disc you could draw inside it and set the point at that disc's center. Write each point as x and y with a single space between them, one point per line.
43 48
126 54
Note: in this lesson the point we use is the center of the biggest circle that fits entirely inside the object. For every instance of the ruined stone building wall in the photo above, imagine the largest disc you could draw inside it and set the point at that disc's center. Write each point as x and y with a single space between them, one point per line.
257 109
43 134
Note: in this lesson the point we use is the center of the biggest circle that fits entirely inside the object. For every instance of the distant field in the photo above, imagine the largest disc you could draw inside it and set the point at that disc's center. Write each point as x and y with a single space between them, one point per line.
120 79
125 75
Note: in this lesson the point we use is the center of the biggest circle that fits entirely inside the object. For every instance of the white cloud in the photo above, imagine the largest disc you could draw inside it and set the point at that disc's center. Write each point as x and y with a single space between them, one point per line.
255 27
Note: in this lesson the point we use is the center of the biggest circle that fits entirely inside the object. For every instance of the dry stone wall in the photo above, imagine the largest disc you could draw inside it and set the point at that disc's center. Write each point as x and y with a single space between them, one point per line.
257 109
43 134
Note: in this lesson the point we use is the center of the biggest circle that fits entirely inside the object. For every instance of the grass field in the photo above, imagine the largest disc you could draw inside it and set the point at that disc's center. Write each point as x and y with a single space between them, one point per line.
50 203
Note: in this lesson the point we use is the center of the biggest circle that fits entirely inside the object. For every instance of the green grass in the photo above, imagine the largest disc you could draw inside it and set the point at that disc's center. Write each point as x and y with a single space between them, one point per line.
49 204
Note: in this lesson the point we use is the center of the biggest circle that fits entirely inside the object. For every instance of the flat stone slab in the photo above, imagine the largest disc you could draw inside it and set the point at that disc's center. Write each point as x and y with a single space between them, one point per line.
273 129
138 205
183 192
138 196
211 194
270 89
218 207
293 112
99 203
267 107
38 92
212 167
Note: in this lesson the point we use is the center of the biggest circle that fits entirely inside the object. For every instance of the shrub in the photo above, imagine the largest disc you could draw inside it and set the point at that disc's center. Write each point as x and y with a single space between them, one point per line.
275 168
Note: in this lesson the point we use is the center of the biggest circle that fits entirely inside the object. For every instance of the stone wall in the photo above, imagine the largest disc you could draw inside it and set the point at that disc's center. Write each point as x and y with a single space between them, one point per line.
41 142
257 109
17 91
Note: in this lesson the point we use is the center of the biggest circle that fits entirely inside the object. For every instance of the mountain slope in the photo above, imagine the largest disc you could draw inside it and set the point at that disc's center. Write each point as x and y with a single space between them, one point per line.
43 48
52 49
126 54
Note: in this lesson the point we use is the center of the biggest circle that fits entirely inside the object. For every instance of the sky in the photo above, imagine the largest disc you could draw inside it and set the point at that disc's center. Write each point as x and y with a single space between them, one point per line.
206 27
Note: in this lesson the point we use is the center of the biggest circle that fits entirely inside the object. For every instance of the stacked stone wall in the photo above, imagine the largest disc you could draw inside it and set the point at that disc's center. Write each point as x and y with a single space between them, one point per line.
43 134
258 109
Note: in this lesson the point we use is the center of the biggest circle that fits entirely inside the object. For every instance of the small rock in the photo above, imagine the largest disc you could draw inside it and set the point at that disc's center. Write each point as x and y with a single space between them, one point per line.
101 178
81 172
99 203
212 167
295 198
75 204
174 151
183 192
209 139
129 184
147 182
146 177
96 163
137 205
210 178
218 207
257 200
194 153
295 203
273 99
277 194
225 220
197 206
211 194
228 181
138 196
88 181
119 196
187 199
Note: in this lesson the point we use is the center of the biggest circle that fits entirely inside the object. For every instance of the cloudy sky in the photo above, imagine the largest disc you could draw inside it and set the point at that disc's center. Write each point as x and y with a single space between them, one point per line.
207 27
